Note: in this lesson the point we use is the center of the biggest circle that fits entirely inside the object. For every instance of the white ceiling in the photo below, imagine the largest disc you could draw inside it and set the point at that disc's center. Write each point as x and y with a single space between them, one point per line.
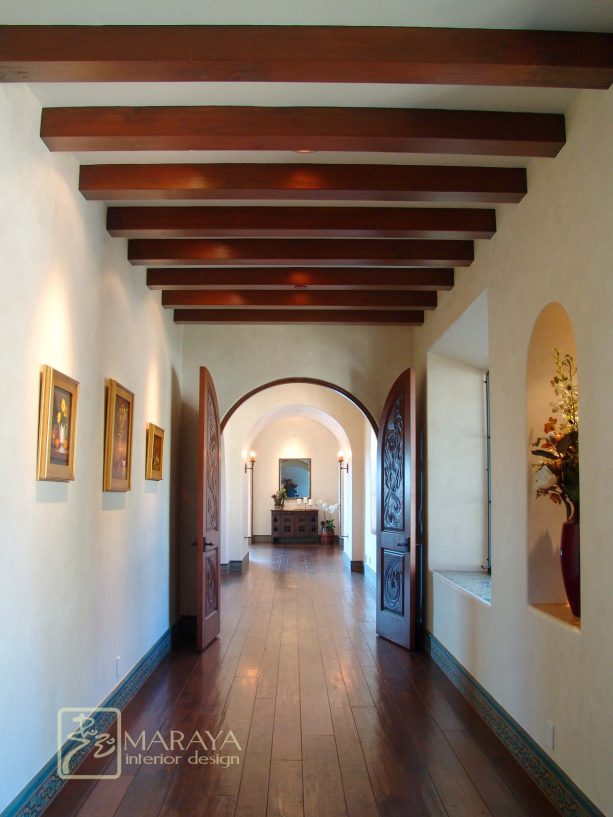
579 15
554 14
540 100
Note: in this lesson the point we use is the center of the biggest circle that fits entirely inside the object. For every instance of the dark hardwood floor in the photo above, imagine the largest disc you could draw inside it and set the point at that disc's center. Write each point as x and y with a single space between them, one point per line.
331 720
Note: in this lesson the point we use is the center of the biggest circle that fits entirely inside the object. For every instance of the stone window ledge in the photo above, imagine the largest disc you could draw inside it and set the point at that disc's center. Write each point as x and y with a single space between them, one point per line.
474 582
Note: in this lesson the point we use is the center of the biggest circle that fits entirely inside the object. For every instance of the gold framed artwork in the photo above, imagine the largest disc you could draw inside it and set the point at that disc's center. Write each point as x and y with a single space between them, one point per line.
154 464
118 437
57 425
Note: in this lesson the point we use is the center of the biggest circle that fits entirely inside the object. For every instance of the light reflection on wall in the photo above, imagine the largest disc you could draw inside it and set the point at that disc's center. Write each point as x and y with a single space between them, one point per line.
153 406
53 325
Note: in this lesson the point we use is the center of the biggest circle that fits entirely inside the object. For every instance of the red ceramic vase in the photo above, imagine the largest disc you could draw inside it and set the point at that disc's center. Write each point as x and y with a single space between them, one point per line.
569 558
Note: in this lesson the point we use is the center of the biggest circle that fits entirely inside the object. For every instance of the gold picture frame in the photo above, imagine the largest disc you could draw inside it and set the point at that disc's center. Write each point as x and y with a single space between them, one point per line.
154 463
118 437
57 426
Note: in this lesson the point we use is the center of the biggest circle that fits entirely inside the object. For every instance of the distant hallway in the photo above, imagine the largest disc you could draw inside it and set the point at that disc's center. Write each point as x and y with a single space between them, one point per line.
330 720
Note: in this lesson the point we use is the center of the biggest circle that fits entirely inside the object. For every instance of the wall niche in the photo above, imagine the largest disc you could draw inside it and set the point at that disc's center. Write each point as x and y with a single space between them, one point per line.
552 330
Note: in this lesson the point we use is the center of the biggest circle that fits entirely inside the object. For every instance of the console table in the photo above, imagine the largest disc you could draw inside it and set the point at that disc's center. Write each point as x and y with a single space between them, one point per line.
291 527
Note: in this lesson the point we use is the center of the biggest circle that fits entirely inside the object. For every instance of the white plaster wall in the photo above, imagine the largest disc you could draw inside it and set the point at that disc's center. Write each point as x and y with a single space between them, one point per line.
456 467
293 437
347 425
362 359
84 576
365 360
556 245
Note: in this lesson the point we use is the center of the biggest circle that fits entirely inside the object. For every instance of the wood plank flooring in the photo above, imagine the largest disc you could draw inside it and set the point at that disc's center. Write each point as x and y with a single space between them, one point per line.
332 721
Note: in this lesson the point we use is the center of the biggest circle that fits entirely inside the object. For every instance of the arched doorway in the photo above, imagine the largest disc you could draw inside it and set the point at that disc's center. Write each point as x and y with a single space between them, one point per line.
314 381
345 423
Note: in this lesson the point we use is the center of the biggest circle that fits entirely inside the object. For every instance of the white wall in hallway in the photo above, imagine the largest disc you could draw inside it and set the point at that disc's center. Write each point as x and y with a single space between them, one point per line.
293 437
365 360
345 422
456 466
84 576
556 245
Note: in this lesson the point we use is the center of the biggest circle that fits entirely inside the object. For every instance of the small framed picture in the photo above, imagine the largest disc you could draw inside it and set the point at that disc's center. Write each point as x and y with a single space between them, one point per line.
118 437
154 464
57 425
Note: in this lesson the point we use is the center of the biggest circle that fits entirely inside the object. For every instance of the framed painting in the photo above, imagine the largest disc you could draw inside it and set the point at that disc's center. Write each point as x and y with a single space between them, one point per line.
57 425
118 437
154 464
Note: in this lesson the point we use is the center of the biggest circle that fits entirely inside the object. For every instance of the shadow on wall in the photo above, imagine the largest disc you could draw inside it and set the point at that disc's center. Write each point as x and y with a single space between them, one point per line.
174 479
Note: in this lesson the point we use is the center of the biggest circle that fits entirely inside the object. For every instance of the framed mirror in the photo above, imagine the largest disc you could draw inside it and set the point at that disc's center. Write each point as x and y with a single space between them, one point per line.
295 476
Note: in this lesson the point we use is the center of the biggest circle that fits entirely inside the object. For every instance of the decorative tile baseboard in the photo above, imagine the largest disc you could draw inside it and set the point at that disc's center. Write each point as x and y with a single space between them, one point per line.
370 574
235 565
549 777
355 565
38 794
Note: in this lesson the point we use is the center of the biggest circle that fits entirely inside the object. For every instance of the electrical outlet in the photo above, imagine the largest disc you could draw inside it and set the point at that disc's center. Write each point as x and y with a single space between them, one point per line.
551 734
117 666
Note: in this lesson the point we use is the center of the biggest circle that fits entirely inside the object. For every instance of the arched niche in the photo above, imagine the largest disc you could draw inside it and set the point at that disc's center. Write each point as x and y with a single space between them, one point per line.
552 330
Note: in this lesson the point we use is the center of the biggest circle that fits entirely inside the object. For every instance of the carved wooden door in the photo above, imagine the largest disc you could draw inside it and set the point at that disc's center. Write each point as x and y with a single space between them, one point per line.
396 511
209 516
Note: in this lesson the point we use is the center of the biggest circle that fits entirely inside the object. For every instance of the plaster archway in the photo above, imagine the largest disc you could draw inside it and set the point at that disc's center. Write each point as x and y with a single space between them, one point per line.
311 380
352 431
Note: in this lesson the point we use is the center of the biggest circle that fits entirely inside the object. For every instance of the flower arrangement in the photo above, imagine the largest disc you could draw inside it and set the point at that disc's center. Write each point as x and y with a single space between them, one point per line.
557 473
279 497
59 433
328 510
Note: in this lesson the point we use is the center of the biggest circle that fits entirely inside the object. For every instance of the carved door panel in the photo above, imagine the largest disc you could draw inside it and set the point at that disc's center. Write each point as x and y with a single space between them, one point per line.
209 488
396 511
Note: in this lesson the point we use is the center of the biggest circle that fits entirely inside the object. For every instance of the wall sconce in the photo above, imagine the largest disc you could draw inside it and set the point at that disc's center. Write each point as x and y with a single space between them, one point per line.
341 460
249 468
251 460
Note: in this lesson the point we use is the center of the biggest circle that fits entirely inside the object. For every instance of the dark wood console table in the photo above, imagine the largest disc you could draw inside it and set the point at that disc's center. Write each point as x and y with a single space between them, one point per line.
291 527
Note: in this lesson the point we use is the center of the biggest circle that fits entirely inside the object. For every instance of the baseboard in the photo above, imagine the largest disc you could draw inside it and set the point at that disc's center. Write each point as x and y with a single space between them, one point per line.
36 796
239 565
370 574
356 565
548 776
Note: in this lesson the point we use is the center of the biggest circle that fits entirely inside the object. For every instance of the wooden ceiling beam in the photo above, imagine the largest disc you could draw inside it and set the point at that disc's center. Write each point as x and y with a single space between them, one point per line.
394 130
340 278
303 182
305 54
300 222
298 299
299 252
399 317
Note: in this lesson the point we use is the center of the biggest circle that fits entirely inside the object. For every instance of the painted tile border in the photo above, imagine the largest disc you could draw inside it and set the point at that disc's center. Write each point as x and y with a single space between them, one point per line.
370 574
41 790
548 776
